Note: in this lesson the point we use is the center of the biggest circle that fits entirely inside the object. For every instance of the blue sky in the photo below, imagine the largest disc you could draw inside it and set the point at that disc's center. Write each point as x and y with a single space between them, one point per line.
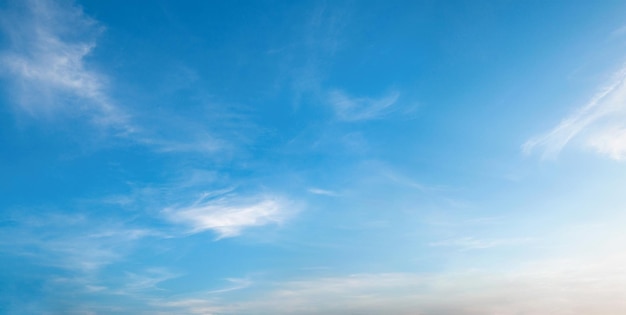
312 157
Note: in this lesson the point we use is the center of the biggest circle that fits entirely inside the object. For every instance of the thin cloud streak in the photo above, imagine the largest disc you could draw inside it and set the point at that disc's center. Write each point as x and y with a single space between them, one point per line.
236 284
470 243
596 122
323 192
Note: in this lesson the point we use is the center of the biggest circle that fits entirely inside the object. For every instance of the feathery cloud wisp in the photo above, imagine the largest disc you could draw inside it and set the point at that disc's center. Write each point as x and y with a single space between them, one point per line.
600 123
72 242
228 217
45 62
324 192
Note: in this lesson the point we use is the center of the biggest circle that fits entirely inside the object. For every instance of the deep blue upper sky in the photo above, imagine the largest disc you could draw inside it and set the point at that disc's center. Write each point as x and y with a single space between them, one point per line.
312 157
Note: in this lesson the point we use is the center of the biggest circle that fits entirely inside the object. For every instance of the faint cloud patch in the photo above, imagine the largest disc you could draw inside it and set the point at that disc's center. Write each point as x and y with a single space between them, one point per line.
618 32
201 306
323 192
73 242
146 280
470 243
348 108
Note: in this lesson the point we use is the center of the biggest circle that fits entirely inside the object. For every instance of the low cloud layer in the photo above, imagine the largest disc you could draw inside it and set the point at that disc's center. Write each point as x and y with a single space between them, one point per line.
558 287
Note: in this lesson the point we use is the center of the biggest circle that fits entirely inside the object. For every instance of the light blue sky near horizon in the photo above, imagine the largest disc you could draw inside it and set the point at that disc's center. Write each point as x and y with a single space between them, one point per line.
314 157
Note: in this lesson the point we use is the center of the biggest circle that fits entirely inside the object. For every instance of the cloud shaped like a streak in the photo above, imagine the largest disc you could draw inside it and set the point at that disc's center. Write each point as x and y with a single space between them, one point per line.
601 124
348 108
229 216
470 243
45 61
323 192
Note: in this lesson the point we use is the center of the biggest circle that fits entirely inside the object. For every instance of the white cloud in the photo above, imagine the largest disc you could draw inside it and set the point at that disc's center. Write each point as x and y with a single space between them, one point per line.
45 62
349 108
229 216
600 123
610 142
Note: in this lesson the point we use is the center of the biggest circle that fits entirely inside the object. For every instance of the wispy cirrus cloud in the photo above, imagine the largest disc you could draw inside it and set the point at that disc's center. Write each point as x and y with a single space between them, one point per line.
228 216
600 124
45 61
49 74
146 280
349 108
323 192
77 243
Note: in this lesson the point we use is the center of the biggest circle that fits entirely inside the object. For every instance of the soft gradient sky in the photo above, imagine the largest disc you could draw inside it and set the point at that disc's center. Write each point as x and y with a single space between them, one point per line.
313 157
